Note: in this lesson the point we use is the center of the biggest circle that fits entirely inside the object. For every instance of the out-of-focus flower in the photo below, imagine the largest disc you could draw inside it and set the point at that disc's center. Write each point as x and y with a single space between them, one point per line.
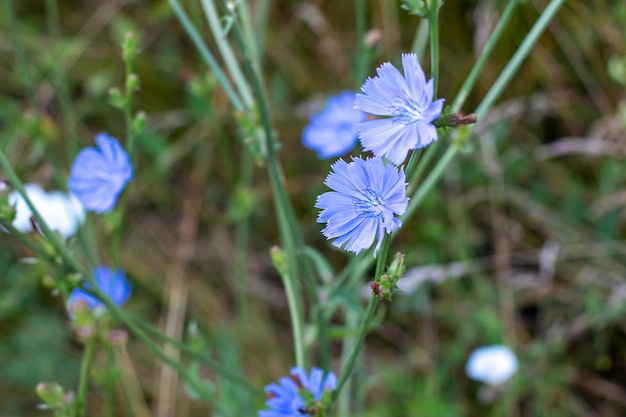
98 175
367 195
112 283
286 399
408 100
61 211
333 131
492 365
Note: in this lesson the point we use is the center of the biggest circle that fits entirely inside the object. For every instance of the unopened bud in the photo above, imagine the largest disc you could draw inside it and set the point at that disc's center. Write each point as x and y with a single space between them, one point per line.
139 122
118 337
52 394
116 98
373 37
129 47
132 82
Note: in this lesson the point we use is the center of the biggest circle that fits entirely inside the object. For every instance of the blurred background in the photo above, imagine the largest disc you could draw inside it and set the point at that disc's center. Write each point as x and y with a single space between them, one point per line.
521 243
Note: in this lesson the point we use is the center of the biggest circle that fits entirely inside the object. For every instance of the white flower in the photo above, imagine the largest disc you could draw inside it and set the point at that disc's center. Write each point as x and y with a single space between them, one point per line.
492 365
61 211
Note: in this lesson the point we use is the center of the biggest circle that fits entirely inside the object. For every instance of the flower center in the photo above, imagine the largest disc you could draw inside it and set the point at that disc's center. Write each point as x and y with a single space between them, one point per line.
406 111
371 206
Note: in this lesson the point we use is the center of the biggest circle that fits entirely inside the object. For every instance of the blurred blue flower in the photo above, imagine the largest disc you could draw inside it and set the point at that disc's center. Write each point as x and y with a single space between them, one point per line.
492 365
367 194
409 102
112 284
333 131
98 176
285 400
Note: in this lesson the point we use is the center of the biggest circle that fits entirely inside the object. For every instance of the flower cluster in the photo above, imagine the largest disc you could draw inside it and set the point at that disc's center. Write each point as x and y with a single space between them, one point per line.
299 394
369 193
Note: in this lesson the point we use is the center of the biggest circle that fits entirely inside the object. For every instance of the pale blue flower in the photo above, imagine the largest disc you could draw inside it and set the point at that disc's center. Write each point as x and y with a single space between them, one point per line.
98 176
367 196
113 284
492 365
333 131
408 100
285 399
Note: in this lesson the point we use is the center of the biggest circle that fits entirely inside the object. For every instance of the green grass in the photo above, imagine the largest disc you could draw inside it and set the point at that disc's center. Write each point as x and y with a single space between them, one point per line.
201 218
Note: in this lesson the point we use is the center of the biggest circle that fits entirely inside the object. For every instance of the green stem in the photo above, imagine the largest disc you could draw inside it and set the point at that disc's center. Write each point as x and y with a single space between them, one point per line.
227 52
85 369
130 145
206 54
289 229
109 384
347 345
421 39
141 335
433 13
367 319
24 239
495 36
356 348
518 58
430 181
56 241
295 311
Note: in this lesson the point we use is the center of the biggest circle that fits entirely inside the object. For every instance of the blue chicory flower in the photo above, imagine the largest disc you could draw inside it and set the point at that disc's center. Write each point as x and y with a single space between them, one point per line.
98 176
492 365
408 100
367 195
285 400
112 283
333 131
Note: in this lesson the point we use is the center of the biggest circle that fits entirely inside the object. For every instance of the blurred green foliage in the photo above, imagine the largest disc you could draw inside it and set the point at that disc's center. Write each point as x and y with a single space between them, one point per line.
534 214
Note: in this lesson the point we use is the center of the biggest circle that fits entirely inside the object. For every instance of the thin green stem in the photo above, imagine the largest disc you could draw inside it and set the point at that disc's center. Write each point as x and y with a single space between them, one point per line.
109 383
141 335
85 370
367 318
421 39
295 312
356 348
130 145
227 52
347 345
433 14
518 58
430 181
289 229
495 36
52 237
206 54
24 239
260 26
249 32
